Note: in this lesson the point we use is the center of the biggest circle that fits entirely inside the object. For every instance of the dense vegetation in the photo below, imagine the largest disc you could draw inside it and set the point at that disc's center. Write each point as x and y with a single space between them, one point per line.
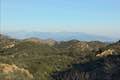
65 60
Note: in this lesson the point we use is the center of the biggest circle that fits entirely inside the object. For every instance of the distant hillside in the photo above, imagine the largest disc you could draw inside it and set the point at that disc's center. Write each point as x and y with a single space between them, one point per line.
41 41
59 36
47 59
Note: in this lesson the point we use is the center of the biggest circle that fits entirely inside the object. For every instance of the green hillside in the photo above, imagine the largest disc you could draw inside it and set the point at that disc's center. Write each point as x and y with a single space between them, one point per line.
52 62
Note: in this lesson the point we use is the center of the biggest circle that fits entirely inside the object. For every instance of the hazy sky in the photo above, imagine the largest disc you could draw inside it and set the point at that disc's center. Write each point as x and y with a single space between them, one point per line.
90 16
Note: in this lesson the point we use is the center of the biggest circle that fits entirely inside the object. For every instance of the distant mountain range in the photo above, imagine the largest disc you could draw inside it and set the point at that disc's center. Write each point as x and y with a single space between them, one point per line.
59 36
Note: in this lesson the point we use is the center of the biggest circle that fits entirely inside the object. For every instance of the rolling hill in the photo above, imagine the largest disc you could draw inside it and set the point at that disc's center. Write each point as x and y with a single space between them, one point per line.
63 60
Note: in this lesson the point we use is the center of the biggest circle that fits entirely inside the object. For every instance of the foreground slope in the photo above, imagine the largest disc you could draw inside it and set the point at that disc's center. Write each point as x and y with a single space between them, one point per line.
73 58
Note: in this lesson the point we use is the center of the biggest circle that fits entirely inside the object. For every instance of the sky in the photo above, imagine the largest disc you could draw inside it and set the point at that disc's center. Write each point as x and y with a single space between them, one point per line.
100 17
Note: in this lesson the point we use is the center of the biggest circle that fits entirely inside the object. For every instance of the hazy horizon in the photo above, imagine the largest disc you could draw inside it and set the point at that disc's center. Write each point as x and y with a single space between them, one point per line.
98 17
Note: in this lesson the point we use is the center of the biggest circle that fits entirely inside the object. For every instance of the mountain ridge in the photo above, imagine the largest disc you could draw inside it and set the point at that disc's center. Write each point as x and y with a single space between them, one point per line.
60 36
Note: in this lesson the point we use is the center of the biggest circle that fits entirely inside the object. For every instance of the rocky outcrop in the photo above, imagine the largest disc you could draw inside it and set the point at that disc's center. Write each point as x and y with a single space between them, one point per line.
107 52
12 72
9 46
7 42
79 45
